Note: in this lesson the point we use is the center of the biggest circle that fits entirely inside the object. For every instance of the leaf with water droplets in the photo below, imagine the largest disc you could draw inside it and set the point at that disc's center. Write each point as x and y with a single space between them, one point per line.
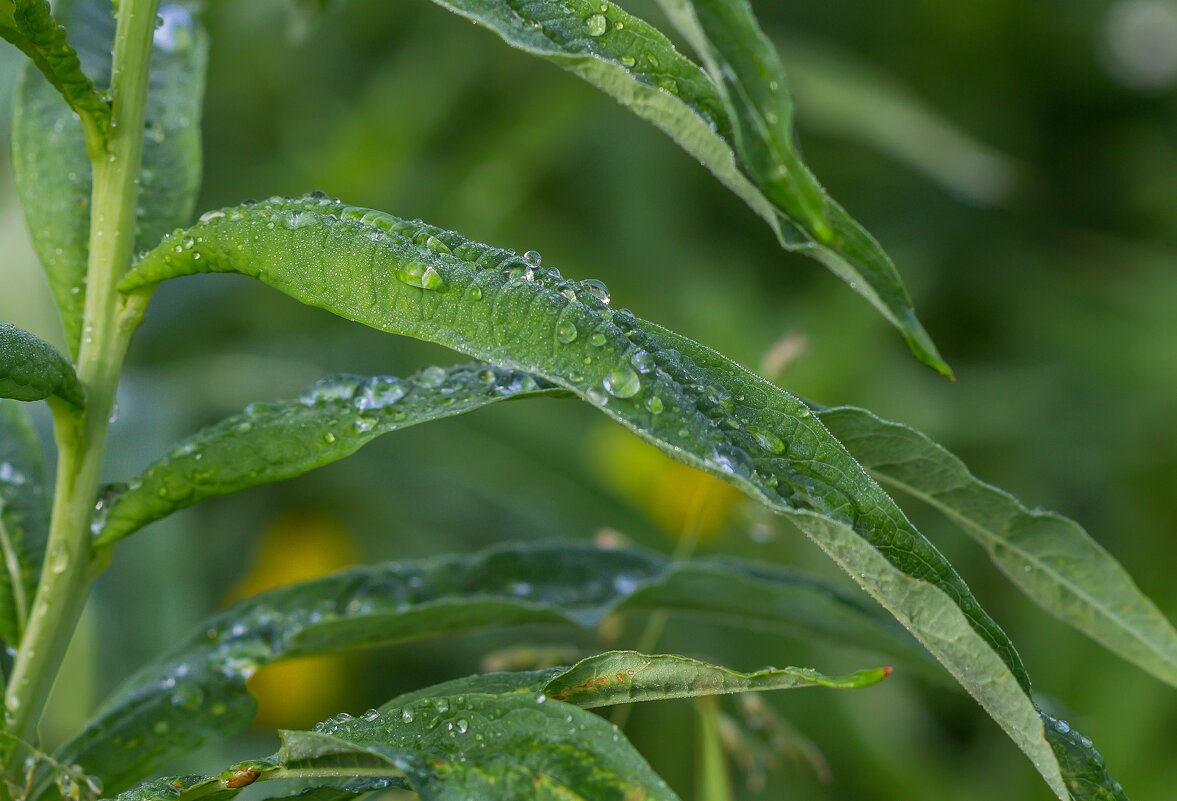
1049 557
275 441
747 71
752 156
197 692
714 414
623 677
29 24
52 170
31 370
24 517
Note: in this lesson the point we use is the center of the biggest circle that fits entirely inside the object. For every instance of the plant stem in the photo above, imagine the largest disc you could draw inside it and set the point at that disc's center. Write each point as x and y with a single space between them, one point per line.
65 577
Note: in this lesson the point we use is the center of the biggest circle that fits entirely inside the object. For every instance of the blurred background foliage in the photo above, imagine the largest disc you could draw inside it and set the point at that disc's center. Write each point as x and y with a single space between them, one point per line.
1018 160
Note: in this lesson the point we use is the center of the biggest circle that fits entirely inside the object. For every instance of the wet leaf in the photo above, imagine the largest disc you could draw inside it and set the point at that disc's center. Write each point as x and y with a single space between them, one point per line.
413 279
29 24
31 370
51 167
1048 556
275 441
197 692
721 126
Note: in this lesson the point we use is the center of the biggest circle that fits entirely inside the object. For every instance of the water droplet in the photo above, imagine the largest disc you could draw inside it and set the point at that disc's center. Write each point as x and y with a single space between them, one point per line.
566 331
187 697
475 293
628 61
597 340
435 244
622 382
421 276
597 396
209 216
174 29
462 726
533 257
379 392
431 377
336 387
329 438
642 361
654 404
407 715
596 288
371 715
596 25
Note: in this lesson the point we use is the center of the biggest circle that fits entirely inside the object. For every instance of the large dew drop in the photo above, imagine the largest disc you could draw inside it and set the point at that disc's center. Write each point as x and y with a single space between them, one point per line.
622 382
566 331
421 276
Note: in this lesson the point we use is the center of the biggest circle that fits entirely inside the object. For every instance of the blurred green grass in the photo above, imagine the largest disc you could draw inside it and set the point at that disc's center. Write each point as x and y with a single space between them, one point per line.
1051 291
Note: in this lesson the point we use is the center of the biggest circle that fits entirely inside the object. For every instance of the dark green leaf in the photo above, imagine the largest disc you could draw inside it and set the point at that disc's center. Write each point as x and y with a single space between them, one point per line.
635 63
29 24
275 441
52 169
197 692
747 70
24 517
413 279
30 369
1087 778
1051 558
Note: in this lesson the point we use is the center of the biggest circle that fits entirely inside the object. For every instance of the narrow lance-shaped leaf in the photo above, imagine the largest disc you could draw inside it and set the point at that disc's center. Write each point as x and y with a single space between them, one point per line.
29 24
274 441
507 735
51 167
1051 558
632 61
197 691
31 370
24 517
413 279
745 67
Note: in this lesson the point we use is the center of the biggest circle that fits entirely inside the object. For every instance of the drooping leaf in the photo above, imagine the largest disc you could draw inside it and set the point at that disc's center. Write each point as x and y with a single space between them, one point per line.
29 24
51 167
30 369
274 441
1049 557
413 279
637 65
197 691
623 677
24 518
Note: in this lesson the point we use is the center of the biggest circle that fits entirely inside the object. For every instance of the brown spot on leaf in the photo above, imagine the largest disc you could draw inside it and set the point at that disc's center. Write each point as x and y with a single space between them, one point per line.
242 778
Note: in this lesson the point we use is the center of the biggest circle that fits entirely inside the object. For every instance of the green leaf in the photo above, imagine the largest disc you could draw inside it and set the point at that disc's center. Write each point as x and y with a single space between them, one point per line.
1049 557
413 279
1087 778
623 677
274 441
29 24
30 369
197 692
24 518
509 735
52 170
747 71
632 61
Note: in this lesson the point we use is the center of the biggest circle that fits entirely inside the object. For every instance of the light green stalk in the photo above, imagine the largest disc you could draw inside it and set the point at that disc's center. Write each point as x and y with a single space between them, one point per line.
66 576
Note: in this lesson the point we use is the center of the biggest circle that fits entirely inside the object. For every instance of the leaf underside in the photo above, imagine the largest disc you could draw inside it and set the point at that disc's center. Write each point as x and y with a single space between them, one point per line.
413 279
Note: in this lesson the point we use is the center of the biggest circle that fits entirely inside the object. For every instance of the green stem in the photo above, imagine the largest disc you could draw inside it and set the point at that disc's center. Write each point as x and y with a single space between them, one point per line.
66 576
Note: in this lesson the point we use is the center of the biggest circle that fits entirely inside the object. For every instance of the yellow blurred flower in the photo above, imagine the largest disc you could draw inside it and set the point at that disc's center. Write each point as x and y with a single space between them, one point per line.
299 544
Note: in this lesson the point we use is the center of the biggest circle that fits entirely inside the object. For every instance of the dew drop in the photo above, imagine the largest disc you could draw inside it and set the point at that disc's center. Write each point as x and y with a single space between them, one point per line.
430 377
407 715
597 340
642 361
532 257
654 404
596 288
566 331
421 276
435 244
622 382
596 25
475 293
379 392
462 726
597 396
